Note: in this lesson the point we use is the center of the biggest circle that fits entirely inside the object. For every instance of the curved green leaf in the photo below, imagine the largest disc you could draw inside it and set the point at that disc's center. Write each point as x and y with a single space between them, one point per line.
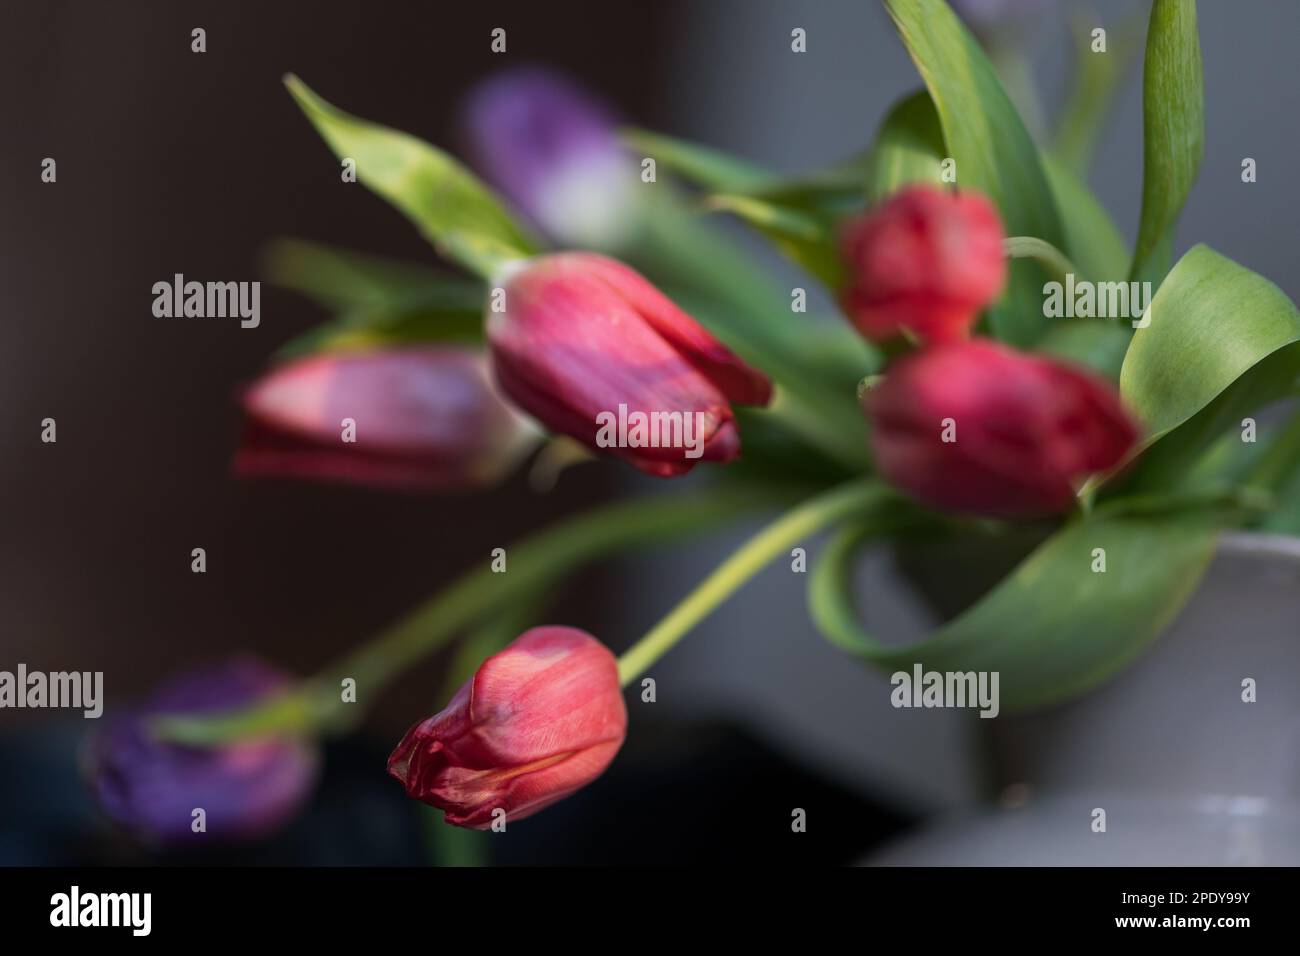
1279 472
1211 322
709 168
377 301
1173 130
340 279
1099 344
1096 245
451 208
804 237
1222 341
908 148
822 194
994 152
1055 627
379 328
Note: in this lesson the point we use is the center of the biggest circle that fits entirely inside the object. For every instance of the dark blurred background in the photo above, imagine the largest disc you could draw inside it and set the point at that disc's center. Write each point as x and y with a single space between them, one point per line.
170 161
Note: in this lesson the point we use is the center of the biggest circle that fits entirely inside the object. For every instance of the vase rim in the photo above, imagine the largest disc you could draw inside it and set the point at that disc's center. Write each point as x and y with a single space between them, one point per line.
1258 543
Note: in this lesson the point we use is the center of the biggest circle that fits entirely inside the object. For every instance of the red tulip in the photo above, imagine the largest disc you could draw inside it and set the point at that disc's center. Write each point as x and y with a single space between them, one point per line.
923 263
536 722
582 335
423 418
977 427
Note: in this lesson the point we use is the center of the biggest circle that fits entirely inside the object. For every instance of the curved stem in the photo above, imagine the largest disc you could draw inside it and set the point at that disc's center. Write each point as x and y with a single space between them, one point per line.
1031 247
805 519
532 565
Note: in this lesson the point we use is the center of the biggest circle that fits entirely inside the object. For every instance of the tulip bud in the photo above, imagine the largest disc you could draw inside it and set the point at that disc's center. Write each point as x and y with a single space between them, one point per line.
425 418
537 721
246 790
924 263
554 151
976 427
584 341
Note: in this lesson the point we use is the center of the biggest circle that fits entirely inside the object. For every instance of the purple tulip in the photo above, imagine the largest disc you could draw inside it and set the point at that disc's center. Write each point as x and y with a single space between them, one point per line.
246 789
553 150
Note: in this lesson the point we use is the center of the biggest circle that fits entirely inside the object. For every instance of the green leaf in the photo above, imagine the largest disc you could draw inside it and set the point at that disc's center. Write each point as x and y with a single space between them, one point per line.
1098 344
1173 124
828 193
1097 79
1286 519
908 148
1178 459
709 168
801 235
380 328
449 206
1279 471
799 214
1095 244
1220 341
380 302
995 154
1100 256
825 193
1054 627
340 279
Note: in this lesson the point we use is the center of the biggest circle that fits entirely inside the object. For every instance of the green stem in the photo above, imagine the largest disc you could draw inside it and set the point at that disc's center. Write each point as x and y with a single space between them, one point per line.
531 566
1031 247
488 636
796 525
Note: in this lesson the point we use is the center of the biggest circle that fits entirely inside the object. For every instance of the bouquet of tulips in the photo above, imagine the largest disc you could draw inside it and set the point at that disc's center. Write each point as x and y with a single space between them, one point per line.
610 313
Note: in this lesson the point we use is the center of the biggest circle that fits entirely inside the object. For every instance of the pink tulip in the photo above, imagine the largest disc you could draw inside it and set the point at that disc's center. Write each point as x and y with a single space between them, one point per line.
581 335
537 721
924 263
423 418
976 427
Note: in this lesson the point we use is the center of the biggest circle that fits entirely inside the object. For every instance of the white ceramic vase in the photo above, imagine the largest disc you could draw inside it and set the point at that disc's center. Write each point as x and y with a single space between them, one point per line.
1185 770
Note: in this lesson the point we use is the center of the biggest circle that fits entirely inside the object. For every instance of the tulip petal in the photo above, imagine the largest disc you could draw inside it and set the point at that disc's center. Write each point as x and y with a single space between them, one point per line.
572 350
1024 429
425 418
537 721
739 382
